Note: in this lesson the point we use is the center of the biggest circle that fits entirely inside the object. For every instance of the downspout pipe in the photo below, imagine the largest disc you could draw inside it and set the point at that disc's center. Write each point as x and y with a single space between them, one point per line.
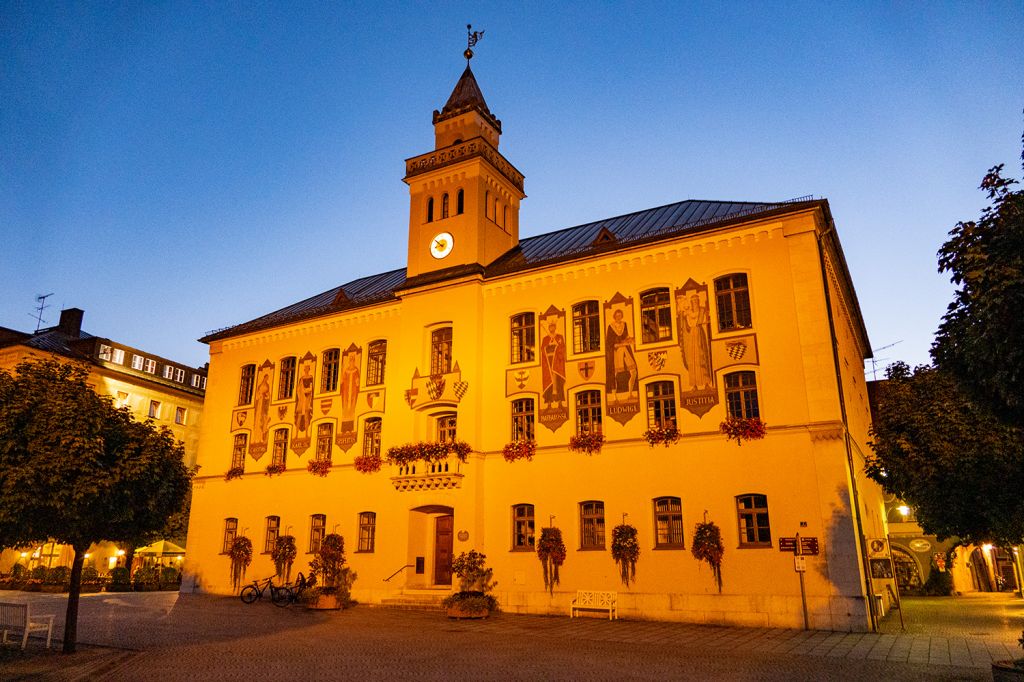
858 521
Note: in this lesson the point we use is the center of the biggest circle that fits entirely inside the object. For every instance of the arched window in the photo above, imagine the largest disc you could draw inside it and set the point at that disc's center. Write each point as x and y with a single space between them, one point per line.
430 210
444 206
741 395
487 204
656 315
504 216
460 202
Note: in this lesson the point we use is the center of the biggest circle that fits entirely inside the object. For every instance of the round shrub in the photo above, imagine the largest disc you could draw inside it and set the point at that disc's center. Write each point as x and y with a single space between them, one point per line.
39 573
58 575
119 576
18 571
169 574
89 574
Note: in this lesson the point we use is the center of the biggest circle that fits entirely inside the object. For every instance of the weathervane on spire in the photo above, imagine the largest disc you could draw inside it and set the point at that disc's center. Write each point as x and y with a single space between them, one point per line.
472 38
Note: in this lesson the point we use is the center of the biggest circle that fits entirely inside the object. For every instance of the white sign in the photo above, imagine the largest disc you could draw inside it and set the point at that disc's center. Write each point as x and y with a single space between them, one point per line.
800 564
878 548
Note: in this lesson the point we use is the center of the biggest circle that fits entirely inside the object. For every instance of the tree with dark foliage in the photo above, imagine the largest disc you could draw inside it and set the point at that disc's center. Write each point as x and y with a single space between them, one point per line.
75 469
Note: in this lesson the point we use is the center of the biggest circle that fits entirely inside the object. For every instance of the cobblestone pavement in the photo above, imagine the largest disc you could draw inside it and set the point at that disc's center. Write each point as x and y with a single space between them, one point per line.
167 636
998 616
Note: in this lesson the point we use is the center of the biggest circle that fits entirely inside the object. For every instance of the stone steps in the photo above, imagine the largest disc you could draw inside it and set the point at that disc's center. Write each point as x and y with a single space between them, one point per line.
426 600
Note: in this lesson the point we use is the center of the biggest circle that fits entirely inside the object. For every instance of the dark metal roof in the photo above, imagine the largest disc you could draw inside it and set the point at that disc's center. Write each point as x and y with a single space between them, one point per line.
55 340
574 242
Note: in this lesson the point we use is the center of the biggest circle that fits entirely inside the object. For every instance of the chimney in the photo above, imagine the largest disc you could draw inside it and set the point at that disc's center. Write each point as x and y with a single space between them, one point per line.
71 321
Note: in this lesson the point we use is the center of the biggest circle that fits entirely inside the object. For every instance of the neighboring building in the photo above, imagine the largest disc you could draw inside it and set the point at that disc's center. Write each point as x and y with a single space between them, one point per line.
152 387
673 316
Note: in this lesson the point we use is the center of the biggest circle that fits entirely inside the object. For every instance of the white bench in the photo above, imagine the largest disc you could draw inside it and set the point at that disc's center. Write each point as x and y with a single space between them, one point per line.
15 618
595 600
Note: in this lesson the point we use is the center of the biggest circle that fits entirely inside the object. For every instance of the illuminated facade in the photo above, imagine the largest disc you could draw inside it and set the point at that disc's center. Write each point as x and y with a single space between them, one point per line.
152 387
675 316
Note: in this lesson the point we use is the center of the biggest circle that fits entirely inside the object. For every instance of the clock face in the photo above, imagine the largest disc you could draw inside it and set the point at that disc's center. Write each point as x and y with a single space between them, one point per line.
441 244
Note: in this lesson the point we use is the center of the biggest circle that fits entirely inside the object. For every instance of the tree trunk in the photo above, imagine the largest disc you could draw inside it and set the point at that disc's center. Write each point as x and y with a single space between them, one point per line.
74 591
129 558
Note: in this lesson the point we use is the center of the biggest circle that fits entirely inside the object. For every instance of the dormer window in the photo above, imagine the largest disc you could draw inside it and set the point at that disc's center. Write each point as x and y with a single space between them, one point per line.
430 210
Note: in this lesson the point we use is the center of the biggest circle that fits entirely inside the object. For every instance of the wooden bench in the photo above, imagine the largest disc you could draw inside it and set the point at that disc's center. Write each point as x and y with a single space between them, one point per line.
15 618
595 600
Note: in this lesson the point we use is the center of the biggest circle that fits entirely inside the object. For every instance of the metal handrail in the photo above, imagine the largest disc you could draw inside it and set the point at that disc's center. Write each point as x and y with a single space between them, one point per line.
399 571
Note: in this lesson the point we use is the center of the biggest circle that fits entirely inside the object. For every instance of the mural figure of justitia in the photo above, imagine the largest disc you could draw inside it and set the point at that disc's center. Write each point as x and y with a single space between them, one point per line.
620 370
304 399
349 385
262 405
553 367
696 341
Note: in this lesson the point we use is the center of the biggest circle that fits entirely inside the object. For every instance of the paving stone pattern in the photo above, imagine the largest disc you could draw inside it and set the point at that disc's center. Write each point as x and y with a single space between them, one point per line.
167 636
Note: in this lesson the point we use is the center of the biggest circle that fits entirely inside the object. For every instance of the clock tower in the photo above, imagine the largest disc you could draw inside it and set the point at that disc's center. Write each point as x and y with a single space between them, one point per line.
464 196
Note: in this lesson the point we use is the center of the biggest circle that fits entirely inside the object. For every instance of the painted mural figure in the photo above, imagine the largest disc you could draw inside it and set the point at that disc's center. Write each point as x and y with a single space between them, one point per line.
262 405
696 341
304 399
621 372
553 366
349 384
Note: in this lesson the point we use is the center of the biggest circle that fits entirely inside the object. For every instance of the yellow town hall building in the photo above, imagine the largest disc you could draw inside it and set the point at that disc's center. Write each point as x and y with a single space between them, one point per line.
669 318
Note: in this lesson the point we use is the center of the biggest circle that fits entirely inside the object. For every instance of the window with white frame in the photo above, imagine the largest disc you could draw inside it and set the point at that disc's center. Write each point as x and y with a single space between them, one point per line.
168 372
179 375
150 366
137 362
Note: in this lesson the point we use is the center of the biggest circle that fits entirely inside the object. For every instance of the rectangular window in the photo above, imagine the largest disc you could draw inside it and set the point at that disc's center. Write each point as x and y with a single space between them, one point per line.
656 315
367 531
246 385
329 372
446 428
117 356
105 352
154 409
523 528
179 375
376 355
286 384
150 366
371 437
441 351
122 399
230 531
668 523
280 447
324 437
273 530
238 451
522 419
586 327
661 405
168 372
741 395
137 362
317 530
524 338
588 412
179 415
752 511
733 298
592 525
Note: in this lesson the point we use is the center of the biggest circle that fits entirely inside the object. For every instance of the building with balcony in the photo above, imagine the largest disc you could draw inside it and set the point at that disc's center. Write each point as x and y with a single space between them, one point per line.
347 412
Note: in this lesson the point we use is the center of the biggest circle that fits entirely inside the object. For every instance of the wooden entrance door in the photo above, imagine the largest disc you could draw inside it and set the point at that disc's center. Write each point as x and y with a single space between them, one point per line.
444 526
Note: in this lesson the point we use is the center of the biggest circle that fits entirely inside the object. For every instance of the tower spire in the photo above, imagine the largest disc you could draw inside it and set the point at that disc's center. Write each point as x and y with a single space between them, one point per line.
472 38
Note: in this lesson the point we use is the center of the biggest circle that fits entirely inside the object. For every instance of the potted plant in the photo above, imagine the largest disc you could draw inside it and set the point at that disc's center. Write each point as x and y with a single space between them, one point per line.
332 589
587 443
743 428
319 467
368 464
625 551
1009 671
709 548
170 578
662 435
120 581
284 554
519 449
551 552
234 472
240 554
91 580
472 600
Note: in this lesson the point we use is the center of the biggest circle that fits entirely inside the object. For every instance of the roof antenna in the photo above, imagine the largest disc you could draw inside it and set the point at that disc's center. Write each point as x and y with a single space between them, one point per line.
40 307
472 38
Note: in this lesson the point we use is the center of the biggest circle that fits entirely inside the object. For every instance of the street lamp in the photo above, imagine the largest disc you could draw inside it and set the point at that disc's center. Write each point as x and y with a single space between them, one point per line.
904 510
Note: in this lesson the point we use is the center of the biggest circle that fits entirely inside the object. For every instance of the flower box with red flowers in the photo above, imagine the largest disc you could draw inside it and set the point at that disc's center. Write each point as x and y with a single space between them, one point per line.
742 428
319 467
589 443
368 464
666 436
403 455
275 469
520 449
234 472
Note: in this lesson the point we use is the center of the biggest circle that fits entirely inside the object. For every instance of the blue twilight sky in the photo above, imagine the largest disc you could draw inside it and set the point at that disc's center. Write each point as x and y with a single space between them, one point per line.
175 167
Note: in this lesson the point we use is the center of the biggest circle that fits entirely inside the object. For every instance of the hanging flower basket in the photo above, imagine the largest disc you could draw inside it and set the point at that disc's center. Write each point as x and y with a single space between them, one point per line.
625 551
742 428
709 548
551 552
319 467
275 469
234 472
666 436
587 443
368 464
284 554
520 449
403 455
241 556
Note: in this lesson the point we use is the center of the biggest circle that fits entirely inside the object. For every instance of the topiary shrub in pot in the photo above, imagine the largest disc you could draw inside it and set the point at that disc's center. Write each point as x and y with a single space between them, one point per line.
119 580
472 600
91 580
333 579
